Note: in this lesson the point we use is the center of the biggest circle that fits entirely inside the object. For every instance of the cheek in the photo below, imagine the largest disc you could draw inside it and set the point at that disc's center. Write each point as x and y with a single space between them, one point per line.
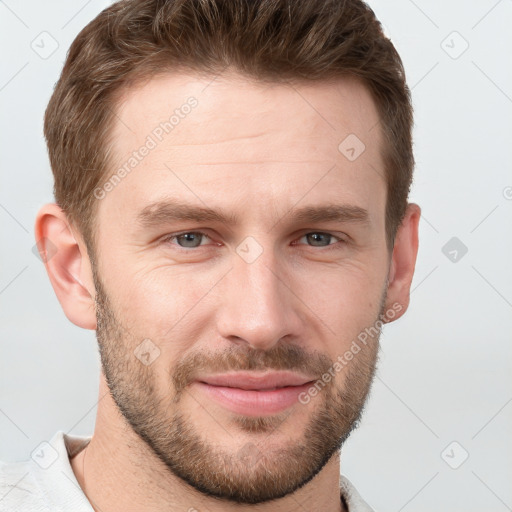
163 298
346 291
346 304
163 303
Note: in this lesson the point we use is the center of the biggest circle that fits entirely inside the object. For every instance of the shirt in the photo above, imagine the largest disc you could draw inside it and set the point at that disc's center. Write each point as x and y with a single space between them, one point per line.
46 482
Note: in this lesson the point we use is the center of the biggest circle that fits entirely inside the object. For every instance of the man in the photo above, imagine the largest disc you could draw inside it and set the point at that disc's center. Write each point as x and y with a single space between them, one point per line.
231 217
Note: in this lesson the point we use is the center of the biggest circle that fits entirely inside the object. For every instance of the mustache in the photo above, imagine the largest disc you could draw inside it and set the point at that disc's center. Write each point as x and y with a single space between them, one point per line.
236 358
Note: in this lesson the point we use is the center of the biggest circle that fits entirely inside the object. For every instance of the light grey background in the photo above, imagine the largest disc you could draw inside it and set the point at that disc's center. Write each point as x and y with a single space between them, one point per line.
445 370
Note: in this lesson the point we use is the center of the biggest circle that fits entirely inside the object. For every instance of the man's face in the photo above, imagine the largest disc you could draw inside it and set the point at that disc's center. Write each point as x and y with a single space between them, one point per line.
272 291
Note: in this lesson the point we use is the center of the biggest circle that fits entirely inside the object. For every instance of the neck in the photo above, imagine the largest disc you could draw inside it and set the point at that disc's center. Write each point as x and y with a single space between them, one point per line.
118 472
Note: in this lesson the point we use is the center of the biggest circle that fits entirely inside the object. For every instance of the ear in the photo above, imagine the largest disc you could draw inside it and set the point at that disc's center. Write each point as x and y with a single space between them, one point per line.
65 257
403 261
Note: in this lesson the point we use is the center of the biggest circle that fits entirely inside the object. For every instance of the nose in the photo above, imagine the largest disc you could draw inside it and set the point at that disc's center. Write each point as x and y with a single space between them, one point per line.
258 304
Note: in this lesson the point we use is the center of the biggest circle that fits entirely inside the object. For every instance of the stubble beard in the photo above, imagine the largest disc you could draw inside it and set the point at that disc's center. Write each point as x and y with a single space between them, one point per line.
257 469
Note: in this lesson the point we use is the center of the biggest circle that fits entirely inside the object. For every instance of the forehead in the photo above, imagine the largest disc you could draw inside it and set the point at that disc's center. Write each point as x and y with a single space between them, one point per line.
216 139
235 106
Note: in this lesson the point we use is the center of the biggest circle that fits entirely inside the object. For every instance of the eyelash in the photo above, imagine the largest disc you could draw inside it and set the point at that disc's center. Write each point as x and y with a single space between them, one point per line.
174 236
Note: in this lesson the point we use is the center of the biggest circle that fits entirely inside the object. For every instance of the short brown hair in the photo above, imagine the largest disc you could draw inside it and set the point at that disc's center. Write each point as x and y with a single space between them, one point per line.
266 40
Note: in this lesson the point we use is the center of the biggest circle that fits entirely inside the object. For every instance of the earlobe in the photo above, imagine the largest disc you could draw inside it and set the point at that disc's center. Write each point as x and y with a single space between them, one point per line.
67 263
403 260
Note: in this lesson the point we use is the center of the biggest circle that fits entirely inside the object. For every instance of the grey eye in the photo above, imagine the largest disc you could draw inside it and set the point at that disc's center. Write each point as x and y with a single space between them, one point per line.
319 238
190 239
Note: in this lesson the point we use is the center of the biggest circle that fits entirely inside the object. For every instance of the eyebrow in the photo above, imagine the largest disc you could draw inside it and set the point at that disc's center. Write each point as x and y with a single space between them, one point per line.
162 212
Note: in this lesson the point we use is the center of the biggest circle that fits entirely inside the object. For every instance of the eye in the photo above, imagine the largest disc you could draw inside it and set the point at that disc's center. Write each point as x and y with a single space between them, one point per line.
190 239
321 239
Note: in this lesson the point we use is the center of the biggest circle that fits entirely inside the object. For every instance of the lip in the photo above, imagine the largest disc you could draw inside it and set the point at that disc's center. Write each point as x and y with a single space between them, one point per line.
254 394
256 380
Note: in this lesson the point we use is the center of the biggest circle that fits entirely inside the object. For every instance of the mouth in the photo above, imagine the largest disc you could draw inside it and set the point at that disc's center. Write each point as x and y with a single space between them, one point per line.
257 381
254 394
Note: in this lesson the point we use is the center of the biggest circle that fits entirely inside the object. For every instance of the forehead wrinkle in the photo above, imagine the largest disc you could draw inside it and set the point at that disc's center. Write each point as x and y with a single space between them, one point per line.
253 162
227 140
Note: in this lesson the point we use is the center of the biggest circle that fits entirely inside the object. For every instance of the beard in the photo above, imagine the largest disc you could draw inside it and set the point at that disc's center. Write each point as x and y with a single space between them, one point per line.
259 470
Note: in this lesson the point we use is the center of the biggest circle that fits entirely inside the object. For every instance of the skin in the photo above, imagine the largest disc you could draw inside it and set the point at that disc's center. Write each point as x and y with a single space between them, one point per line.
159 443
